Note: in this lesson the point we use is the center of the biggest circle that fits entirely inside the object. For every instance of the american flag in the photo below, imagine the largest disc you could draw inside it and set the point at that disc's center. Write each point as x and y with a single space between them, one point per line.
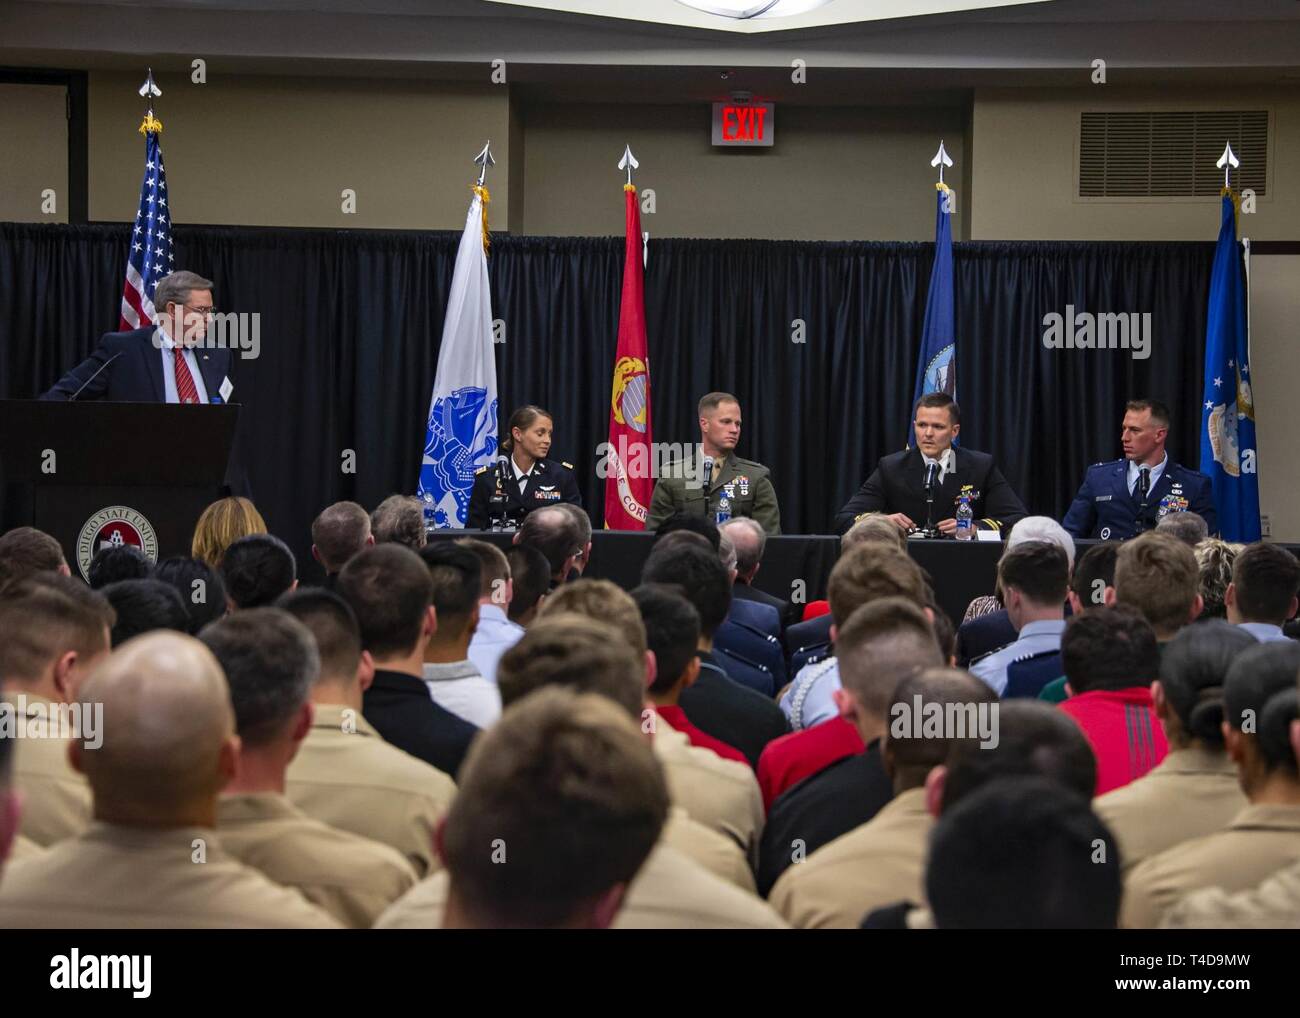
151 241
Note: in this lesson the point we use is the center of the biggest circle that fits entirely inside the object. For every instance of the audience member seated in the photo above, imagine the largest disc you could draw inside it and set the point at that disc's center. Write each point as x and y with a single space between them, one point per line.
153 858
56 631
691 524
1092 585
1259 699
271 664
345 775
714 703
672 629
26 551
399 519
881 644
453 679
142 606
746 642
12 844
495 633
222 524
1262 594
1157 575
992 630
530 580
883 860
757 614
1110 659
1034 577
568 784
1214 562
583 522
117 562
750 541
861 575
201 588
1186 526
1194 790
338 533
558 536
814 631
690 878
256 570
1019 855
718 793
389 589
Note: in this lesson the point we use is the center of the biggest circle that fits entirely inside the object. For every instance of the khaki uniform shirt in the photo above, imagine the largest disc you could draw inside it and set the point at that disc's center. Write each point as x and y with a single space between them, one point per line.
23 848
347 776
1190 793
352 878
738 486
1261 840
670 892
721 794
879 863
1273 905
56 799
112 877
715 852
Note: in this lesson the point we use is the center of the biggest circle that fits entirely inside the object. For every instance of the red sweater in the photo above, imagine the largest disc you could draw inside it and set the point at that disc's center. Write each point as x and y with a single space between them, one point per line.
676 717
1122 728
791 758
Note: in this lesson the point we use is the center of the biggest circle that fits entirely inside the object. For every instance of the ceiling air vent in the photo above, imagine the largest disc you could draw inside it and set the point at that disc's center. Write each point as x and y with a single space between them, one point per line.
1169 153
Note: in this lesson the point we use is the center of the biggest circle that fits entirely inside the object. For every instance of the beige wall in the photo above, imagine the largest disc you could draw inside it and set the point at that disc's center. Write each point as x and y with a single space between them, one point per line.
1275 372
279 151
835 173
33 152
1025 153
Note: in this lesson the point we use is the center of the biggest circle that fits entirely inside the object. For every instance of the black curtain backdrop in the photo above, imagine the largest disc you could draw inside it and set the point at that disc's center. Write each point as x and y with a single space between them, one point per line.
351 322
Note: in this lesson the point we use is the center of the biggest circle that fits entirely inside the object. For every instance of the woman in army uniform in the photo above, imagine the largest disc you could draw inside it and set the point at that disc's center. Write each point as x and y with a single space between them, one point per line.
527 480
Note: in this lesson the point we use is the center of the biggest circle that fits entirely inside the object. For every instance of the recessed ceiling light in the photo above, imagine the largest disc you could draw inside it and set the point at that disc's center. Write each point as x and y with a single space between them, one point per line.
744 10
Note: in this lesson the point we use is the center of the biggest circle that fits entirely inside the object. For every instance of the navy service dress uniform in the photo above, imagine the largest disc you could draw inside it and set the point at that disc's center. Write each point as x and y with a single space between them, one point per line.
1105 508
549 482
898 486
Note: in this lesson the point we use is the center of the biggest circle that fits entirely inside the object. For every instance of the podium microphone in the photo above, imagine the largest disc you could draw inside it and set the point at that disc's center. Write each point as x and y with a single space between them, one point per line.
95 375
708 474
931 483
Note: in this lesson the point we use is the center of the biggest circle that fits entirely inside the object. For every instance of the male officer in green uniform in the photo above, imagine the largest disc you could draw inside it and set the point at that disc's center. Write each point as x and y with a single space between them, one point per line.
714 481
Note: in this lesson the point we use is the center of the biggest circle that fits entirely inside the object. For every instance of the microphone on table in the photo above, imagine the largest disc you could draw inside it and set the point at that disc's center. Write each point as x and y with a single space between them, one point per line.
931 483
708 474
95 375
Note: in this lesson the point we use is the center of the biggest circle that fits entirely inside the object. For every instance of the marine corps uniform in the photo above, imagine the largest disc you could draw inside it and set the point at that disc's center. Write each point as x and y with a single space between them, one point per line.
1105 508
547 483
739 487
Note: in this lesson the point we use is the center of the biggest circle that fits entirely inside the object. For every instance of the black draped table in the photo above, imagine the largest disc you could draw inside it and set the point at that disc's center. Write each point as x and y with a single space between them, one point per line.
797 566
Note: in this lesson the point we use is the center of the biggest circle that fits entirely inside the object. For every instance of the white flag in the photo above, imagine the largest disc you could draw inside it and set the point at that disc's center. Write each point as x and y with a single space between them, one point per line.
462 429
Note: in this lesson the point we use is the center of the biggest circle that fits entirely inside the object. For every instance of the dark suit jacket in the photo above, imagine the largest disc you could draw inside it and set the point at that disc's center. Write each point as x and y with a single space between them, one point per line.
729 711
1104 507
984 635
788 611
403 712
136 376
898 486
815 632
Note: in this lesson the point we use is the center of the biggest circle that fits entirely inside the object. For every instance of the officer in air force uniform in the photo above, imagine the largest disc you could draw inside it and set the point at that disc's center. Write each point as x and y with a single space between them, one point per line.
1122 498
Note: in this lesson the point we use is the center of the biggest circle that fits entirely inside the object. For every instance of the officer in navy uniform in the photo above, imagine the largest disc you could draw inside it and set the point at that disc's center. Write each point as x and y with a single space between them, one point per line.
527 480
1125 497
897 486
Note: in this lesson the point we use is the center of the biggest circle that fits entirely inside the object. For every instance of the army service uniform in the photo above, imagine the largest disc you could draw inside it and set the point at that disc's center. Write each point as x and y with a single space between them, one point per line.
547 483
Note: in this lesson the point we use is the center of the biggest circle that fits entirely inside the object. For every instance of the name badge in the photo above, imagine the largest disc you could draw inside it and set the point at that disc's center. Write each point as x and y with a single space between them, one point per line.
1103 498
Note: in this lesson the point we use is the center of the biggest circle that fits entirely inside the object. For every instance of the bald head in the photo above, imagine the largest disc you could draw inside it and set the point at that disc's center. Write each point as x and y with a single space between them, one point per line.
168 732
749 539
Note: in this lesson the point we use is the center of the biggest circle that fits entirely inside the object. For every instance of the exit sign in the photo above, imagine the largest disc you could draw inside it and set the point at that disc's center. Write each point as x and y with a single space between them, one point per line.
746 124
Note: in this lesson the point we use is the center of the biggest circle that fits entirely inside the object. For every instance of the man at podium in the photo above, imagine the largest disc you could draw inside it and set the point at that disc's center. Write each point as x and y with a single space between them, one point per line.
152 365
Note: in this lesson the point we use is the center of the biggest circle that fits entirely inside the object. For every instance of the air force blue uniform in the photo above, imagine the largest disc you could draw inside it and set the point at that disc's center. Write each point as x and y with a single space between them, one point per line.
1105 508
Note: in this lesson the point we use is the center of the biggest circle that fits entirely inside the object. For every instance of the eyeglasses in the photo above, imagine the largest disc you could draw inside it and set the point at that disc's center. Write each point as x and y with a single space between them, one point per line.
206 312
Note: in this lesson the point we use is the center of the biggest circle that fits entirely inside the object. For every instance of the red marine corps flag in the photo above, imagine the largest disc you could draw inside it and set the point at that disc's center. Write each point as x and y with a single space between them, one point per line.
627 480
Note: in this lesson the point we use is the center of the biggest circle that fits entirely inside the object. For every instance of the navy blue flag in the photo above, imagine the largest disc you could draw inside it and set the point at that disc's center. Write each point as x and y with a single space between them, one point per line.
1227 407
936 368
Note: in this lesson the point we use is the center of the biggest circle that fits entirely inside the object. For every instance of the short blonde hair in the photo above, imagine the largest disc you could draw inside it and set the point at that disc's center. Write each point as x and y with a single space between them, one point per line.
222 524
602 601
873 528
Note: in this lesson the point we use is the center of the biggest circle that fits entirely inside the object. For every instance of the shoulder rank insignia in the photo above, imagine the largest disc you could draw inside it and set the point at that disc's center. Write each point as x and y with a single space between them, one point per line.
568 466
479 471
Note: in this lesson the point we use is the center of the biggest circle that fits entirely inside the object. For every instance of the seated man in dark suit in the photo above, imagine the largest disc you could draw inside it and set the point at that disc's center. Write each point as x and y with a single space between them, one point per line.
170 362
390 590
898 485
750 541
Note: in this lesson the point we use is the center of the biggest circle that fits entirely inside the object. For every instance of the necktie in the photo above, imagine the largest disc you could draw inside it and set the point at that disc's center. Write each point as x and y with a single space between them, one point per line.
1143 484
186 392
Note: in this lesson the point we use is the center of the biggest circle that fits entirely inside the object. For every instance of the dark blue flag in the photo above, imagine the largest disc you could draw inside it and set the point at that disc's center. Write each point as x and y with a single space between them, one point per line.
1227 406
936 368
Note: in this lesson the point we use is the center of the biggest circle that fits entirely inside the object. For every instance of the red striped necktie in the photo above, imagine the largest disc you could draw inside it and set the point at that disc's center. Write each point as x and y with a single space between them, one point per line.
186 391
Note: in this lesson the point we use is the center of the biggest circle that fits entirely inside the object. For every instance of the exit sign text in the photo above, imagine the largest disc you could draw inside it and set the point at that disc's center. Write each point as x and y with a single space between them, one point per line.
747 124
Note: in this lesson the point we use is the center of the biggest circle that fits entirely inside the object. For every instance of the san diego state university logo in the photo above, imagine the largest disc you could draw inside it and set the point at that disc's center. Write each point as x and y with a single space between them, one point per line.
113 527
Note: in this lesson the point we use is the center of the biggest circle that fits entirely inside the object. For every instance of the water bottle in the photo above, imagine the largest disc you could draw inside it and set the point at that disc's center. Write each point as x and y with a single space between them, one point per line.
965 520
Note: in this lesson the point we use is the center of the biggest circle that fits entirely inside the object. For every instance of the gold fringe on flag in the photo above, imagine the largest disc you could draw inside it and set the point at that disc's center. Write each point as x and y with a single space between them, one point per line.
150 123
484 197
939 185
630 187
1235 196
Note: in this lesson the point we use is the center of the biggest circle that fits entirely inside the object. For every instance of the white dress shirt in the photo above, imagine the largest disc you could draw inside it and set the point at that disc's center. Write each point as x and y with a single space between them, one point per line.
946 463
167 347
458 687
1134 469
1264 632
521 476
495 635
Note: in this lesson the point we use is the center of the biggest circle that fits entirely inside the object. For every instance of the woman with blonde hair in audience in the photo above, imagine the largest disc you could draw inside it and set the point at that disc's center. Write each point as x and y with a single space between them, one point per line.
1214 560
223 523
